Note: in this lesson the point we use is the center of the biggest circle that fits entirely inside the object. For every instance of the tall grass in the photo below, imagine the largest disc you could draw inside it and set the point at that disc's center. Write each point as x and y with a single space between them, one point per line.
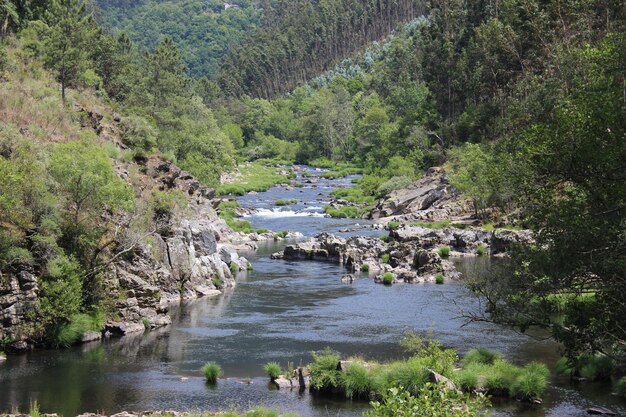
356 381
444 251
388 278
211 371
482 356
272 369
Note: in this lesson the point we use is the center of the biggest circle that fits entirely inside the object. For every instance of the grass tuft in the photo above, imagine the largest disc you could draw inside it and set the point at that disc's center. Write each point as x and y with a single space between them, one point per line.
444 251
272 369
439 278
211 371
387 278
365 268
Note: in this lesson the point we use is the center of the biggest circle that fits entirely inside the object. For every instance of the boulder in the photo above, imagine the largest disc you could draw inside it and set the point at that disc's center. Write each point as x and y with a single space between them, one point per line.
90 337
124 328
442 380
348 279
601 411
282 383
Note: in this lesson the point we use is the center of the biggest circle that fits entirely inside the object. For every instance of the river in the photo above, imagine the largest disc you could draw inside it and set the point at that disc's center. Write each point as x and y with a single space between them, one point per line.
281 311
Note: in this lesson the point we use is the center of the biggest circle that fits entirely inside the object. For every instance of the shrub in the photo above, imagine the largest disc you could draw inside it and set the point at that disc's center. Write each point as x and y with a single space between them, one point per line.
481 250
481 356
531 382
261 230
439 278
356 381
324 373
444 251
385 258
392 184
137 133
431 400
211 371
597 367
365 268
384 238
234 268
345 212
387 278
146 324
500 377
231 189
272 369
470 377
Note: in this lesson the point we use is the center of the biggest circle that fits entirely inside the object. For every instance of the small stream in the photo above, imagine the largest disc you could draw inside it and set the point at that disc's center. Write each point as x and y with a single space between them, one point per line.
281 311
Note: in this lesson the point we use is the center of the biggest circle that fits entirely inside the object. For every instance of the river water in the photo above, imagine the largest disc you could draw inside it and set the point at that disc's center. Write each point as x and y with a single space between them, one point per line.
281 311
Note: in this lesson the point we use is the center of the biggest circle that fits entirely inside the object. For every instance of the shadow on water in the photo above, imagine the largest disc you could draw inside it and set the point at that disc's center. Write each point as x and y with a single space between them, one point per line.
281 311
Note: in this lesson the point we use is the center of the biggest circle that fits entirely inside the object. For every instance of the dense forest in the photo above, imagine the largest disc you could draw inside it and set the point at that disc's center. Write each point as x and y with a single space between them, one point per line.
523 101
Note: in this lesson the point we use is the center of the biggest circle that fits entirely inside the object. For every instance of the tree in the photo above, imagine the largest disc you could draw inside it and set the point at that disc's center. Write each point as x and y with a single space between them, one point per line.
568 176
9 17
63 38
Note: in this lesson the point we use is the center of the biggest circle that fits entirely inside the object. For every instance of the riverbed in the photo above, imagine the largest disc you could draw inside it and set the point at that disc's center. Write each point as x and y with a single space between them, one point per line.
281 311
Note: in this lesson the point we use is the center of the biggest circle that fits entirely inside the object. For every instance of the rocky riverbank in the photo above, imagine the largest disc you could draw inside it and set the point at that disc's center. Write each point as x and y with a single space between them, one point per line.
193 255
410 254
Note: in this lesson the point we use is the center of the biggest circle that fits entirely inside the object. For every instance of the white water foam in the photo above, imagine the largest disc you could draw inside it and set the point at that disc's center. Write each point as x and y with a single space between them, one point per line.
278 213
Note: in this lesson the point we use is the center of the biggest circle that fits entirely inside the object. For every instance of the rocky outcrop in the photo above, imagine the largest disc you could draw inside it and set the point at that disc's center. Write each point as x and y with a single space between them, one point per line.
411 253
189 257
430 198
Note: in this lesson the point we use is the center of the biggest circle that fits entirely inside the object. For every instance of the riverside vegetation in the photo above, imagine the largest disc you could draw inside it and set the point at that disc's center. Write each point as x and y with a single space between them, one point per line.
521 101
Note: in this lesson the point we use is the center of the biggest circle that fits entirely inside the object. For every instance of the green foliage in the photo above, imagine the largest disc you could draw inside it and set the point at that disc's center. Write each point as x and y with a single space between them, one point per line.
71 332
388 278
272 369
444 251
211 371
62 40
33 409
481 249
165 204
353 195
531 383
365 268
356 381
254 177
393 225
324 373
431 400
281 235
285 202
596 367
344 212
385 257
487 370
61 297
137 132
217 282
481 356
439 278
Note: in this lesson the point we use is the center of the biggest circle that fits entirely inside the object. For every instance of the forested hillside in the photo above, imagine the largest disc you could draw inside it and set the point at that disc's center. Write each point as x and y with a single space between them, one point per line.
204 31
301 38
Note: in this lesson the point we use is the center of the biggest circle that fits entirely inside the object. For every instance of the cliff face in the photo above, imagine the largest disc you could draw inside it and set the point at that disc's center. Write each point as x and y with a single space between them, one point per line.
192 257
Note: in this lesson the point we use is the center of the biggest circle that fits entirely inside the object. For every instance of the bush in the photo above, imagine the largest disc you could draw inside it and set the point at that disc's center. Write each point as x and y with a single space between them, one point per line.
385 258
481 356
444 251
272 369
387 278
394 183
365 268
137 133
217 282
500 377
531 382
470 377
324 373
481 250
211 371
231 189
439 278
431 400
593 367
